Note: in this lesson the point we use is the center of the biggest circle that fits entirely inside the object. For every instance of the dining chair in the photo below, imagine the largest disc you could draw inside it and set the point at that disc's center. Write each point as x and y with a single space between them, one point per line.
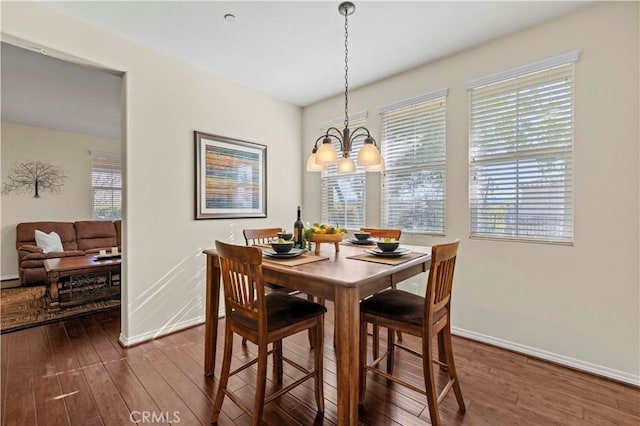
263 319
382 233
262 236
426 317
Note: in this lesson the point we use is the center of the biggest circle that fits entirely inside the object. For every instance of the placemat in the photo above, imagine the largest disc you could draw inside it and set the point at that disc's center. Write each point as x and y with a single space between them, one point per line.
296 261
386 260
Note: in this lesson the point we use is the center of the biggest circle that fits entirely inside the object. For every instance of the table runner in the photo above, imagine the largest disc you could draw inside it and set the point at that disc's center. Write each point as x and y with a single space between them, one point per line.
386 260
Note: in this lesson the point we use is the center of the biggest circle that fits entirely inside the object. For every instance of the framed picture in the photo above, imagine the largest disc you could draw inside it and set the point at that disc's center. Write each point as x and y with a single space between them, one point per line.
231 178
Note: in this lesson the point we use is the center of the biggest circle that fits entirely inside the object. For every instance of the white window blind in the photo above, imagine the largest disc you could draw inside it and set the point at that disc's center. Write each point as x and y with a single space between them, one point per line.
343 195
521 156
413 185
106 185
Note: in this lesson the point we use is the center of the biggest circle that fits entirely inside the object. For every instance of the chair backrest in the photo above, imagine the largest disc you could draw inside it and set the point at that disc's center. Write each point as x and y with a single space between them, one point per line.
243 282
383 233
260 236
440 281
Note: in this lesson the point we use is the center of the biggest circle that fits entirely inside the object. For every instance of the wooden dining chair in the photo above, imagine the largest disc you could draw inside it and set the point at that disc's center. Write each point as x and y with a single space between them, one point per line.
262 236
263 319
426 317
257 236
382 233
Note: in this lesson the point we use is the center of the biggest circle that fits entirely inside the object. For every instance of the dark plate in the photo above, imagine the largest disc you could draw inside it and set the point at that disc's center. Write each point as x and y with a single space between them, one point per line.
361 242
295 252
396 253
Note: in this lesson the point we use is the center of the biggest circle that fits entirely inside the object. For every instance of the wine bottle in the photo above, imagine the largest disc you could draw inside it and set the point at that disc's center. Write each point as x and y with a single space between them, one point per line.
298 229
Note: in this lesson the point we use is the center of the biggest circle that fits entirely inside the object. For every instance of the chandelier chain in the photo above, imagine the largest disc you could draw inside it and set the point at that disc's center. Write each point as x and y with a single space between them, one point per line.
346 71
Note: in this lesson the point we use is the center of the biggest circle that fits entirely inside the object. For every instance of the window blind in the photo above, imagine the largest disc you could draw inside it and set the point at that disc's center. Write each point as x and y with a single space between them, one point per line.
521 157
413 185
343 195
106 185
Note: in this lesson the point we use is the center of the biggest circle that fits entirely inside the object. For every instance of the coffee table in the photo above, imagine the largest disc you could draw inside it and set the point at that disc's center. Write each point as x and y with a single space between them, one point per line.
77 279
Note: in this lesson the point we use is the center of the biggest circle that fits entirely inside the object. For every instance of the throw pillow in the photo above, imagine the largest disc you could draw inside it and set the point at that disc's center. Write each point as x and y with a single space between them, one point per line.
49 243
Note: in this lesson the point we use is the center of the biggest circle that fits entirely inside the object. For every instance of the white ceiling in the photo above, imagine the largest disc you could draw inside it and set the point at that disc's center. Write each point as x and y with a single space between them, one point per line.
295 50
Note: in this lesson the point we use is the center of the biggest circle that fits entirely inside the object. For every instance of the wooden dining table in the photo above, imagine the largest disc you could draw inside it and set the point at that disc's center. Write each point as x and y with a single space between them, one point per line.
340 278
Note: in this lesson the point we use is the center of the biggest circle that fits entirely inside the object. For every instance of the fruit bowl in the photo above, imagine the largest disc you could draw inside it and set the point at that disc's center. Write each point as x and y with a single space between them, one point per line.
327 238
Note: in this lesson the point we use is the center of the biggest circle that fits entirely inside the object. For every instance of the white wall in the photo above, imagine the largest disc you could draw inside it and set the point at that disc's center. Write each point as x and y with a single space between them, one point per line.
577 305
166 101
69 151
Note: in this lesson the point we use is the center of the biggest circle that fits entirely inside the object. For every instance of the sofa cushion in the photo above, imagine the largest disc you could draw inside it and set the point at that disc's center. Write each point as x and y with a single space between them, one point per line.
49 243
25 233
94 234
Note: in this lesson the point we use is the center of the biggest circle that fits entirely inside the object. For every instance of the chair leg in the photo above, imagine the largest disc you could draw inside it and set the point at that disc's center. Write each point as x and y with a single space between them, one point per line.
258 402
376 341
429 380
452 368
224 374
244 341
362 382
442 352
277 360
311 336
391 358
399 336
318 361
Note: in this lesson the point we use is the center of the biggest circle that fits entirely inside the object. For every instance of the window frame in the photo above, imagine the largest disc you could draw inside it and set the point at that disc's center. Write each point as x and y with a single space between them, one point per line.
331 175
520 154
426 101
109 160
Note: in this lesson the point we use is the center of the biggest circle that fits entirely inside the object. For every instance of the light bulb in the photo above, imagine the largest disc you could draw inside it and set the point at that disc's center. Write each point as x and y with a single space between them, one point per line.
376 167
312 166
326 154
369 155
346 165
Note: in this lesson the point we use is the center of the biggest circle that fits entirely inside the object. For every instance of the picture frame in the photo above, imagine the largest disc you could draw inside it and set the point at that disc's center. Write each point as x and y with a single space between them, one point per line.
231 177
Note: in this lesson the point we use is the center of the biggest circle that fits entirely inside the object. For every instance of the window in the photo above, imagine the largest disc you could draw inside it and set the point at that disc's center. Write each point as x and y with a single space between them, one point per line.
106 186
343 195
521 152
413 185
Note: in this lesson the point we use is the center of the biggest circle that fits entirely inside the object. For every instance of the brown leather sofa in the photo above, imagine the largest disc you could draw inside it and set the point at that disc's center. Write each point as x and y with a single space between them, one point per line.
78 239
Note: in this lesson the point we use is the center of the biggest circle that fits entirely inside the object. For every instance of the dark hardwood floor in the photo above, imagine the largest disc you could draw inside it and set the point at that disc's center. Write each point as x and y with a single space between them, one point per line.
74 372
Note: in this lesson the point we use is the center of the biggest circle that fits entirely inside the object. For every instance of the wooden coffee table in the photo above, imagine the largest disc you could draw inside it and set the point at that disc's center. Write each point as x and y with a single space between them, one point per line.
77 279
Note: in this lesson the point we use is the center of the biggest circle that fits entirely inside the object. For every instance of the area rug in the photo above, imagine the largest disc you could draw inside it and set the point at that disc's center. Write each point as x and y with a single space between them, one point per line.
27 307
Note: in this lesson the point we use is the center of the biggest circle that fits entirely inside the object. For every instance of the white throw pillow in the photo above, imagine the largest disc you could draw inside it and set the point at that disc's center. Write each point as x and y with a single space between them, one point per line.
49 243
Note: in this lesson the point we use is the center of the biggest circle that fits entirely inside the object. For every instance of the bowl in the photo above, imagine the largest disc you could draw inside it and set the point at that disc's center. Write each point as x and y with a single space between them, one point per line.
388 246
362 235
282 246
285 235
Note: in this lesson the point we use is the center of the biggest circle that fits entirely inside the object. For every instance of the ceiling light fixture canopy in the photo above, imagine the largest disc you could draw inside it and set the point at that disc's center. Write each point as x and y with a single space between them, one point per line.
326 154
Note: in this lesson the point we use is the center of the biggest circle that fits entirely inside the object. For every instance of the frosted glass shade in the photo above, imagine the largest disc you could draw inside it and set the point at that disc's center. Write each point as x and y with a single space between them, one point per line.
326 154
376 167
369 155
312 166
346 165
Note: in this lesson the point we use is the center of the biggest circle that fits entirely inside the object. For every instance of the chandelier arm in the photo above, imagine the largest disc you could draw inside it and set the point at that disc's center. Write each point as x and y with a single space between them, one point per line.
315 145
362 135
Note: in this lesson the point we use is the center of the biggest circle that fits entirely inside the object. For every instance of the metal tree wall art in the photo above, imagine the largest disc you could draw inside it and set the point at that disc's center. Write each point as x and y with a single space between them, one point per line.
38 175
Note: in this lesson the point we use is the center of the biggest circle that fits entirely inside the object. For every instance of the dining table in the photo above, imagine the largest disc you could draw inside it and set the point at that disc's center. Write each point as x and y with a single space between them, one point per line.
345 276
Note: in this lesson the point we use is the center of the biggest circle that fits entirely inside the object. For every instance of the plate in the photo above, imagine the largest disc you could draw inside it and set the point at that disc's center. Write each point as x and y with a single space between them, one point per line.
295 252
396 253
361 242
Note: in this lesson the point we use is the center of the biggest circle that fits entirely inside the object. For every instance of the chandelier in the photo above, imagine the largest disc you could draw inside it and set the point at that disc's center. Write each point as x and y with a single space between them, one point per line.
326 154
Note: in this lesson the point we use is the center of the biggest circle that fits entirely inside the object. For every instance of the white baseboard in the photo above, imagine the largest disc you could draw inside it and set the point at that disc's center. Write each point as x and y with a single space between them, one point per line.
599 370
8 277
150 335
